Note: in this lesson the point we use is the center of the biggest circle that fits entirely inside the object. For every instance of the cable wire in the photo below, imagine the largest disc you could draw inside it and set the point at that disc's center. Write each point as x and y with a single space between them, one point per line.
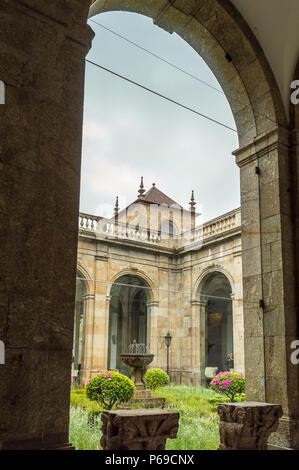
162 290
179 69
162 96
158 57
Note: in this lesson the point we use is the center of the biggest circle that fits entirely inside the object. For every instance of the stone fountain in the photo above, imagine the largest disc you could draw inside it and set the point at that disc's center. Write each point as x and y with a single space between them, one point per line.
137 359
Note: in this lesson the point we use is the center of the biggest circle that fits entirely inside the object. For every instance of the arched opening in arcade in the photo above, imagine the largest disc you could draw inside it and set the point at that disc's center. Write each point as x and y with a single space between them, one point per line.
129 318
215 295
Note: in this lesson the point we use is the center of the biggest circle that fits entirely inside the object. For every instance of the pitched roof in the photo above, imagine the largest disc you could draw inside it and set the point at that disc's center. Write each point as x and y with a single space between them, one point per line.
155 196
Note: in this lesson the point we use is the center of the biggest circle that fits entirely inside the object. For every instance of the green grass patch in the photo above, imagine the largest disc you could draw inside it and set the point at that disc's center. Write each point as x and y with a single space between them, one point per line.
79 399
199 422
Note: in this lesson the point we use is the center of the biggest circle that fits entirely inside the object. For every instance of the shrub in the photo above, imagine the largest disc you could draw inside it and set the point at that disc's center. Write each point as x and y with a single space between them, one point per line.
155 378
110 388
229 383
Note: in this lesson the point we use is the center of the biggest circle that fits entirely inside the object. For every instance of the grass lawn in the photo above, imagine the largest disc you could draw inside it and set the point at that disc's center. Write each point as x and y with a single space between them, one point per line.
197 406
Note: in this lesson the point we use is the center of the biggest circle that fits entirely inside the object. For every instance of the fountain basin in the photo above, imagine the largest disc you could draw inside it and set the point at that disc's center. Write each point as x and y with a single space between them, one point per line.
137 364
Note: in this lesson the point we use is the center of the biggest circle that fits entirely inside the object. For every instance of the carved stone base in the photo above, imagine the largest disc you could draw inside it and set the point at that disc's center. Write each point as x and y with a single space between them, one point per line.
143 429
50 442
247 425
143 399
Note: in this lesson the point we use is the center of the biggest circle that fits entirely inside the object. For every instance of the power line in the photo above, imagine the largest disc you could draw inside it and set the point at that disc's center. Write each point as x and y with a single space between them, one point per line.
162 96
162 290
179 69
158 57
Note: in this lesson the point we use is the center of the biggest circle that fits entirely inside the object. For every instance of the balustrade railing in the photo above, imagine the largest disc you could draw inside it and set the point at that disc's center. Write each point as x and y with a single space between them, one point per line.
109 228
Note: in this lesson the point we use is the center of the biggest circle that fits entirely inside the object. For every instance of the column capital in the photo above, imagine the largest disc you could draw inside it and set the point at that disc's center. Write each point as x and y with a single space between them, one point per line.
128 429
261 145
89 297
247 425
199 303
153 303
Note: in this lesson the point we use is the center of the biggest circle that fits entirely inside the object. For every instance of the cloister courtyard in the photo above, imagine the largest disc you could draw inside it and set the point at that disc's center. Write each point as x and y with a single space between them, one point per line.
149 225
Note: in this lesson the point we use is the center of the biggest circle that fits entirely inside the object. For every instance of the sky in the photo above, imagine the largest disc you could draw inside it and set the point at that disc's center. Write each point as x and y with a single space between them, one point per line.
129 132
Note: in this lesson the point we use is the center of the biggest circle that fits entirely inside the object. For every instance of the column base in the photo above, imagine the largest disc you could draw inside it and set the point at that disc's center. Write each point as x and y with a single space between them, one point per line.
50 442
287 434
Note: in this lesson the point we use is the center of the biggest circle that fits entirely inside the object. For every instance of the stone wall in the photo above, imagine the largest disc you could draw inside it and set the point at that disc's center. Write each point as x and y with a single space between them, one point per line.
174 278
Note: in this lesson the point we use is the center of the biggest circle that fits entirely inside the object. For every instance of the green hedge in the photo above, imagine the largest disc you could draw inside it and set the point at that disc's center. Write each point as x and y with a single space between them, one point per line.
110 388
155 378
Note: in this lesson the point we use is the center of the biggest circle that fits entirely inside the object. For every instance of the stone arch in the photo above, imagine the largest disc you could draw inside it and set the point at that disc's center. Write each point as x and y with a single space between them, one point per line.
215 312
129 316
226 43
153 295
202 277
89 285
84 291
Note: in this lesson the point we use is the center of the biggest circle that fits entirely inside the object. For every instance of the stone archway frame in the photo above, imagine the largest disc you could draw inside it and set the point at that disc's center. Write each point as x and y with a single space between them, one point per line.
89 311
225 42
87 279
214 268
199 317
153 300
152 289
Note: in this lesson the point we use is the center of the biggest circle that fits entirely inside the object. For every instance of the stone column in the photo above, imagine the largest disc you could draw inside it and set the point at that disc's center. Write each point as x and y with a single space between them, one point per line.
89 304
43 46
101 315
153 333
203 326
195 341
238 332
247 426
270 318
138 429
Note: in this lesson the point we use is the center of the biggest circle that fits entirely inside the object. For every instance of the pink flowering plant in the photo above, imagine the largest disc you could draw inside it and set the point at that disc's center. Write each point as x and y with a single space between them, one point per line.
228 383
109 388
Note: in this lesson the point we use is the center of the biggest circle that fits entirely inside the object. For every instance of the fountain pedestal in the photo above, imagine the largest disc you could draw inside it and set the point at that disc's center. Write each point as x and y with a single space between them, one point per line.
137 364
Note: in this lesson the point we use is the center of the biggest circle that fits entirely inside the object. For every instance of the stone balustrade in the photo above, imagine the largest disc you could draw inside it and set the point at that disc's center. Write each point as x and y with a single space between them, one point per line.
88 222
109 228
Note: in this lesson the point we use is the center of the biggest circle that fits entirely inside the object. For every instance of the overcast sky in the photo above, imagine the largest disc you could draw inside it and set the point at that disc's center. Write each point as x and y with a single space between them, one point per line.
129 133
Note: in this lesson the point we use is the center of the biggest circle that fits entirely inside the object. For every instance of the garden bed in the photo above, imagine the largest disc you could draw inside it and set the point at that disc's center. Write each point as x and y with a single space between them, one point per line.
197 406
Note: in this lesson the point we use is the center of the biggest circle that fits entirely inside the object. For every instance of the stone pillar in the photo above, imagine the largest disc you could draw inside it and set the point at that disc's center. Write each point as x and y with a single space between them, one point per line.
247 425
89 312
154 333
195 340
203 341
43 46
101 315
238 332
270 318
141 429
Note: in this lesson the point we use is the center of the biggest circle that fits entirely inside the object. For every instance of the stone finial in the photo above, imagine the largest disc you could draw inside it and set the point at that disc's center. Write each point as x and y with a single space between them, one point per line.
138 429
141 189
116 207
247 425
192 203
